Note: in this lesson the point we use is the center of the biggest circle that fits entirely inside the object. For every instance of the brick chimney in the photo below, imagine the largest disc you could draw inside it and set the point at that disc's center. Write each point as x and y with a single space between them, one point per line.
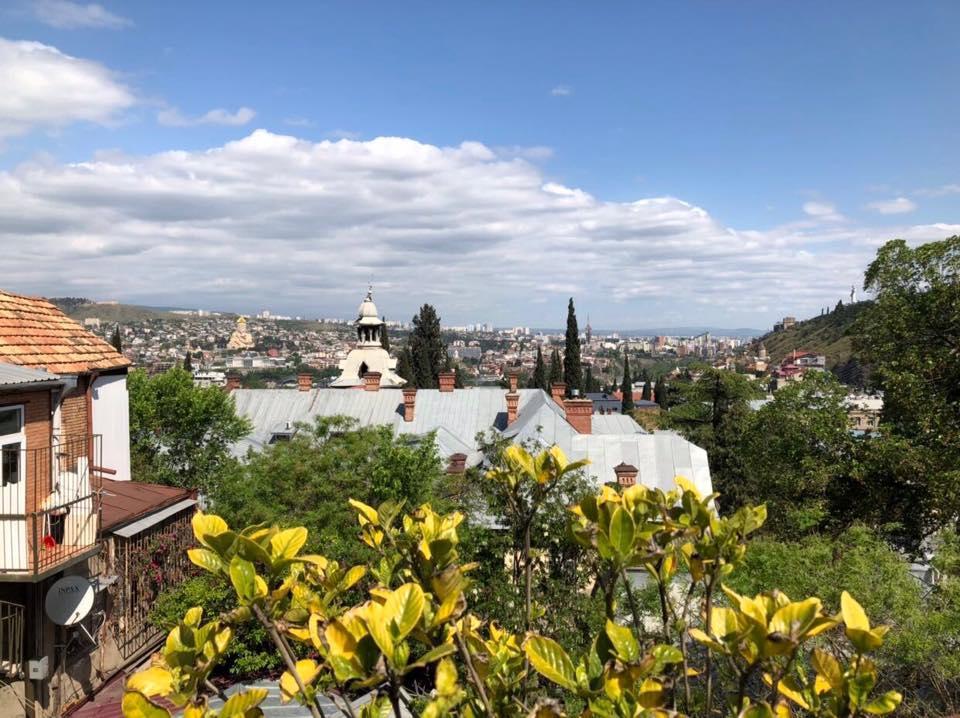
579 414
626 474
409 402
233 382
304 381
557 391
513 376
513 401
371 381
458 464
447 380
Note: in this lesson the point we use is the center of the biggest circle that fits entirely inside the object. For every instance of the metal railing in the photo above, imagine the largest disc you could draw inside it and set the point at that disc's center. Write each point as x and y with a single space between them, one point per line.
11 640
51 511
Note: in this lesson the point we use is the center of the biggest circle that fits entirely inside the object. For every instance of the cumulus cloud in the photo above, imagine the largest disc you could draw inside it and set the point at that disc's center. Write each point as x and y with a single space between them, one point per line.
67 15
44 88
273 221
172 117
561 91
898 205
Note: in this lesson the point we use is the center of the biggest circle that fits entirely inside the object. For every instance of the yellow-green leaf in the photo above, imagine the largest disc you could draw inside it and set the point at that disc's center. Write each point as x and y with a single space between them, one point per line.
367 512
288 543
206 559
136 705
624 643
829 667
795 618
376 619
405 606
887 703
307 669
207 525
238 704
853 614
621 533
243 577
154 681
446 678
551 661
339 640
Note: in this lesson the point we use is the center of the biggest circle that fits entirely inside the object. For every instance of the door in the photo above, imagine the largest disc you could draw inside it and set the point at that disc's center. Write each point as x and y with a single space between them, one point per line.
13 489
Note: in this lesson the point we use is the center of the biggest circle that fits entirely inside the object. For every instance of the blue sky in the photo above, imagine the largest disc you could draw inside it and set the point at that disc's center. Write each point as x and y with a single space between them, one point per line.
799 135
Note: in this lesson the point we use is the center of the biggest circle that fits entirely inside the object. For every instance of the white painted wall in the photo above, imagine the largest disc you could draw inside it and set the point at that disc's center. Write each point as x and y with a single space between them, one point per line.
111 419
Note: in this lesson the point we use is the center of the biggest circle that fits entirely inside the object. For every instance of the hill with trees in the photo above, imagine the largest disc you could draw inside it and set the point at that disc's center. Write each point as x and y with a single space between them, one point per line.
828 334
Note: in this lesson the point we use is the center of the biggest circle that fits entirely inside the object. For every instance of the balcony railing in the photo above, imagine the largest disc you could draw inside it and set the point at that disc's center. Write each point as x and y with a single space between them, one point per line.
11 640
49 504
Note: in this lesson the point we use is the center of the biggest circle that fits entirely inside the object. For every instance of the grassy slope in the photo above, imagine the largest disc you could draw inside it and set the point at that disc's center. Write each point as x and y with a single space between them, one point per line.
824 334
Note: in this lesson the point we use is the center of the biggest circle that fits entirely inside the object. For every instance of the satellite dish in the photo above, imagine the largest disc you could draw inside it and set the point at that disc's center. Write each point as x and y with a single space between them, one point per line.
69 600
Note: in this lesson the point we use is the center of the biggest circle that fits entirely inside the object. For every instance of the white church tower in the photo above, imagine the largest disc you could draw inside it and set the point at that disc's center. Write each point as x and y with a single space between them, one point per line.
368 356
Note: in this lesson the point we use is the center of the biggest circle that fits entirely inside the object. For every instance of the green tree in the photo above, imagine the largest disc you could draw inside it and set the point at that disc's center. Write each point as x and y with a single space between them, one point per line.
405 366
556 369
385 336
647 391
181 434
588 380
663 393
115 339
626 386
910 337
539 378
188 362
572 372
427 352
796 452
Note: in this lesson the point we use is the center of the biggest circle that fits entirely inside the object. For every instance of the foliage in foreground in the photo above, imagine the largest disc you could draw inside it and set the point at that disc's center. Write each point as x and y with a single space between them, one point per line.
753 656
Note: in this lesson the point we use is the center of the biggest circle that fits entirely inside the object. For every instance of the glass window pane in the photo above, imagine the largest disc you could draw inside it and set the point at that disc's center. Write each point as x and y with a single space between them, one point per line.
10 463
9 421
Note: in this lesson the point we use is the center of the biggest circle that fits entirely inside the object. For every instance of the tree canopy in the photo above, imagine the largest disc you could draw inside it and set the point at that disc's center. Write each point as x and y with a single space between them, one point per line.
572 372
427 353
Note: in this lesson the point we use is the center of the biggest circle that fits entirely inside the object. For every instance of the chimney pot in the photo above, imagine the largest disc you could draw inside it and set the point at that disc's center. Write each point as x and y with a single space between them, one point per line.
304 381
557 391
233 382
371 381
409 403
447 380
513 401
458 464
513 376
626 474
579 413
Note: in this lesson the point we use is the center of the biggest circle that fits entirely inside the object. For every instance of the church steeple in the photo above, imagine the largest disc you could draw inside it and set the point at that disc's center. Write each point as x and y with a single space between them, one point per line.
368 322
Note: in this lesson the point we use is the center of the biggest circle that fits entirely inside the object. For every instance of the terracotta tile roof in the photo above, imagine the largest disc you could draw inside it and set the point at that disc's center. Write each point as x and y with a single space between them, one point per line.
126 501
34 333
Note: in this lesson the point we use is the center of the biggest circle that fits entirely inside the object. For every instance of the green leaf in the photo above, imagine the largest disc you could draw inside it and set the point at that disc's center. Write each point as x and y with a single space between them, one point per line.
252 551
887 703
136 705
154 681
288 543
243 577
624 643
434 654
207 560
238 704
551 661
622 531
405 606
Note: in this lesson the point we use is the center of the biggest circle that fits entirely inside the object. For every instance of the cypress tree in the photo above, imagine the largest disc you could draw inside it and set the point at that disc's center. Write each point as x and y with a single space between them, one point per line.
556 370
663 392
405 366
115 339
188 363
539 378
427 353
572 372
459 378
588 380
626 387
647 391
384 337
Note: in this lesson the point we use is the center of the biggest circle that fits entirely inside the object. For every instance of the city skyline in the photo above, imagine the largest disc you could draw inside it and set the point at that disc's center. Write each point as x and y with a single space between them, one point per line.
742 170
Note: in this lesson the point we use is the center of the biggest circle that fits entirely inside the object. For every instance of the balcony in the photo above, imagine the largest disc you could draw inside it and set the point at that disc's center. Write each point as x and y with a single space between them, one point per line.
49 507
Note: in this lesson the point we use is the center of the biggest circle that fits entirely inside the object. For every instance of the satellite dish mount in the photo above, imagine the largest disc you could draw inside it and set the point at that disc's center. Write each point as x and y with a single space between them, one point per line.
69 601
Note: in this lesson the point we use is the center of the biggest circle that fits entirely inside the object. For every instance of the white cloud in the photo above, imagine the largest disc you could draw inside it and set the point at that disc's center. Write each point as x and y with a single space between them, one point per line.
898 205
297 226
343 135
561 91
941 191
42 88
67 15
822 211
172 117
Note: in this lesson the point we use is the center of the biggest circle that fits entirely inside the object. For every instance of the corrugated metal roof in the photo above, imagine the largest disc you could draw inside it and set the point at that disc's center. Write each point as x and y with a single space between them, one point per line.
127 501
273 708
457 417
12 374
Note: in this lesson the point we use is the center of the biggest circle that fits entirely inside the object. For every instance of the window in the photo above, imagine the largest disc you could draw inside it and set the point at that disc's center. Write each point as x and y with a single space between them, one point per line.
12 441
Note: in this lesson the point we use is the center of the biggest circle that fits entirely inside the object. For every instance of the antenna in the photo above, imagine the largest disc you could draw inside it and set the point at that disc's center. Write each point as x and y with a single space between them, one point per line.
69 601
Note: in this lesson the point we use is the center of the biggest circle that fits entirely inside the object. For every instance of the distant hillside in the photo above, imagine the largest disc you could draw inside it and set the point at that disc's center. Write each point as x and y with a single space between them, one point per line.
827 335
81 309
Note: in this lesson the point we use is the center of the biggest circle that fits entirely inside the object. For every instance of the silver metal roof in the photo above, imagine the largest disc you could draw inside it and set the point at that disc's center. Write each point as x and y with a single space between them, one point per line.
457 417
15 375
273 708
